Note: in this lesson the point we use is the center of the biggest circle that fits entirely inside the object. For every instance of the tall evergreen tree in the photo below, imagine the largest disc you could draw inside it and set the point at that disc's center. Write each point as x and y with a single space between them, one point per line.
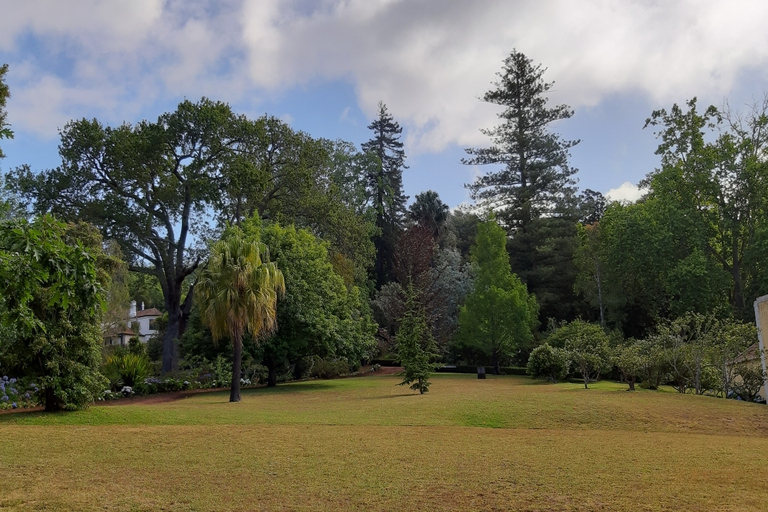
499 315
536 175
533 194
385 188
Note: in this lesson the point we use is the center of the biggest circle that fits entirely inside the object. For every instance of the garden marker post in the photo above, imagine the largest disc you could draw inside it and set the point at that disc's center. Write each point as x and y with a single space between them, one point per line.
481 372
761 318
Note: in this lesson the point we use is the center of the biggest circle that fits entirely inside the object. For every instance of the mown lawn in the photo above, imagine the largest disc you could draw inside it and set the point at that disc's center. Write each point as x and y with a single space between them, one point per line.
506 443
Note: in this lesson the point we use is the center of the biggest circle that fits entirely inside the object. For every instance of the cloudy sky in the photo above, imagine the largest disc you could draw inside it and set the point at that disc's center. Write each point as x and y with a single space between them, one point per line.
324 65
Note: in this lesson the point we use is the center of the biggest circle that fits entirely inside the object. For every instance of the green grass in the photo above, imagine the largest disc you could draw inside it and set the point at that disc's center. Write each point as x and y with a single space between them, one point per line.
506 443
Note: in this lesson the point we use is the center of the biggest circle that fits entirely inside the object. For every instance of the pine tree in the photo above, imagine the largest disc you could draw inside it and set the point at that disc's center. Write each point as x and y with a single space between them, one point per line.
536 177
533 194
385 188
415 345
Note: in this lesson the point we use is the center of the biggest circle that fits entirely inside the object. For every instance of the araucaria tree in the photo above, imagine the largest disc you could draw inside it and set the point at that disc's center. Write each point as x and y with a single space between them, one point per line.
415 345
499 314
531 186
151 187
238 293
385 189
51 303
535 176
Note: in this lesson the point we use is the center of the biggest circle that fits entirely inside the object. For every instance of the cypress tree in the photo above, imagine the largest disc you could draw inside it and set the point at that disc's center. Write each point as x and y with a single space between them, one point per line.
385 188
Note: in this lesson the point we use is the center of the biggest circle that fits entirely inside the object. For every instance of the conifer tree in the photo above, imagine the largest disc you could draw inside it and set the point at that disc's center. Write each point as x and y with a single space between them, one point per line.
533 193
385 188
415 345
535 178
498 315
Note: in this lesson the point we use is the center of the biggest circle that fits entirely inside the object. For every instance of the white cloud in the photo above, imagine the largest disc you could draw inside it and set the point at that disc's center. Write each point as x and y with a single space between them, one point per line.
626 192
428 60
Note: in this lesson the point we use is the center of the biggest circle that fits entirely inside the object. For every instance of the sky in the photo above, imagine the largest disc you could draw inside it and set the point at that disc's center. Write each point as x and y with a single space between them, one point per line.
323 66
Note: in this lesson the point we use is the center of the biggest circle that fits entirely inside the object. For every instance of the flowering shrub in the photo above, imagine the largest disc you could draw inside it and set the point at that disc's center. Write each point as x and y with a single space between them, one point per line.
15 393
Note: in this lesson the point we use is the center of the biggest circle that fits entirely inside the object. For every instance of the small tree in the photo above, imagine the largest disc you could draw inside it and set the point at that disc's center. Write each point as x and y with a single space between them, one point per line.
587 346
629 360
752 379
238 294
415 345
653 360
550 362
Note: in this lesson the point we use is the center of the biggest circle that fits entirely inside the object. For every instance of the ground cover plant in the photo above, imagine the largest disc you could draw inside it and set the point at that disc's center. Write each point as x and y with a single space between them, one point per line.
504 443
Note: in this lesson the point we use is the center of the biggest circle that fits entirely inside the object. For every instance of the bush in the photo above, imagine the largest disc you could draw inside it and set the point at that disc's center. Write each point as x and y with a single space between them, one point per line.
549 362
155 348
18 393
329 368
126 369
136 346
752 379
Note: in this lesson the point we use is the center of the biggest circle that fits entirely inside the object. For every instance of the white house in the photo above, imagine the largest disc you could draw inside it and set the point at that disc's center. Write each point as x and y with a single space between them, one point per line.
143 321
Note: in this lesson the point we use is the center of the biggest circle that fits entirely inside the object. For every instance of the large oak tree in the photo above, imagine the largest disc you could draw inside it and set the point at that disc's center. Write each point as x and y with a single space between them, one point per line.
150 186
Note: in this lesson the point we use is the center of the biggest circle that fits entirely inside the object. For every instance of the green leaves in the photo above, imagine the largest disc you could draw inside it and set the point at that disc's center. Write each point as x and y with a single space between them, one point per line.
499 314
51 297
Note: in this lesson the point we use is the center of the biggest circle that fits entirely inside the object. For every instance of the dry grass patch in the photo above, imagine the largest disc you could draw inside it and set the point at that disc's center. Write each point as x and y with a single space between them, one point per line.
367 444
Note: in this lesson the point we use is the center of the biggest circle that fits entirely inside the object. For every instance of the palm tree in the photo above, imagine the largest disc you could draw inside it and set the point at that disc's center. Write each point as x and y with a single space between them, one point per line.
429 211
238 293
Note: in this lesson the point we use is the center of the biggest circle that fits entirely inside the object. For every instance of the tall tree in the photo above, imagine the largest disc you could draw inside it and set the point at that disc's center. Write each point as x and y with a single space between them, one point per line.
5 93
713 165
238 292
319 315
499 315
151 187
533 193
385 188
535 176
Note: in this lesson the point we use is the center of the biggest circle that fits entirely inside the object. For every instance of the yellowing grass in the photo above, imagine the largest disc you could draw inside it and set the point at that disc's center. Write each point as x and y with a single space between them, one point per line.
369 444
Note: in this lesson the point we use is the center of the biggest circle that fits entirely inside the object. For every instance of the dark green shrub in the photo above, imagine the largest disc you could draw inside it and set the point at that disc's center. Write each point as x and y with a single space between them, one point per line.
155 348
329 368
549 362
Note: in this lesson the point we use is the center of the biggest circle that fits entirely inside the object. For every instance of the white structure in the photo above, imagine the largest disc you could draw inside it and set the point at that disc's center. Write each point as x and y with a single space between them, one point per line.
144 319
761 318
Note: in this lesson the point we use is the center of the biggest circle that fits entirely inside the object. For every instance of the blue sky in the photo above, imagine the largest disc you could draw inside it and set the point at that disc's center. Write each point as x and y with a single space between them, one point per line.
324 65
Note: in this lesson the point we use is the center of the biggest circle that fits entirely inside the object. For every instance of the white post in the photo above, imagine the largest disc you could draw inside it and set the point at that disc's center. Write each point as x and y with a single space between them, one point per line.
762 301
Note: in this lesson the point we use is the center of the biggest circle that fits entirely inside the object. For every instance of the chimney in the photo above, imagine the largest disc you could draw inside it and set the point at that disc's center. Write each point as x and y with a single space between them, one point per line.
132 312
142 305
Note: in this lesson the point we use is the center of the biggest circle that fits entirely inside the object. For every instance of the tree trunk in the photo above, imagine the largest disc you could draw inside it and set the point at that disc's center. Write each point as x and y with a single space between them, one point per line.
171 342
272 375
51 402
234 390
632 383
495 361
738 288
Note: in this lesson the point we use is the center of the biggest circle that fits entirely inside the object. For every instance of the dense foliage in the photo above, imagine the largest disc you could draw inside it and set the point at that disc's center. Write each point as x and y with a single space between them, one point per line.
499 315
51 303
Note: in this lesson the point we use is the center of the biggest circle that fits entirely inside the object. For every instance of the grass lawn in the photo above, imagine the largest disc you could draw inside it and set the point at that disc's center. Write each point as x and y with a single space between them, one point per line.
506 443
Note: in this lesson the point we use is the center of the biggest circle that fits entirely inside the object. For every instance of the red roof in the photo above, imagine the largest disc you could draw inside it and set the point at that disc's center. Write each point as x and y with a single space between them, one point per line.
148 312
